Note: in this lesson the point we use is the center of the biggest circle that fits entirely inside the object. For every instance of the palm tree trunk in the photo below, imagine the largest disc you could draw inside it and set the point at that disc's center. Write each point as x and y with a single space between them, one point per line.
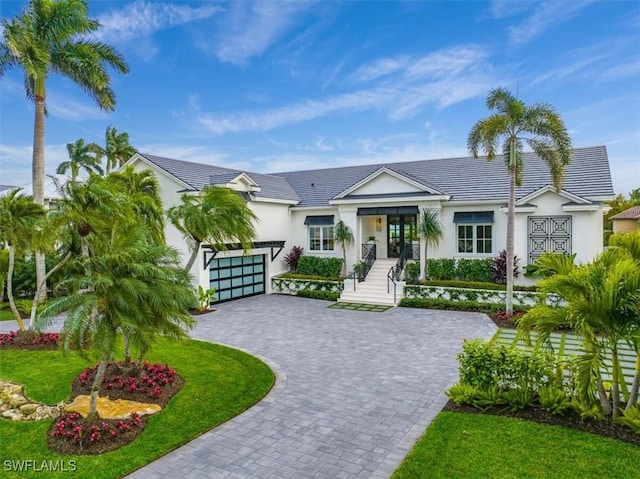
43 286
511 220
95 387
37 170
12 303
344 261
615 388
602 395
194 255
633 394
127 351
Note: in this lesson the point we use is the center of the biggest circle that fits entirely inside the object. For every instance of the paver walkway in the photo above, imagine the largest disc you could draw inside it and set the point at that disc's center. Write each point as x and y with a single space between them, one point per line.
355 390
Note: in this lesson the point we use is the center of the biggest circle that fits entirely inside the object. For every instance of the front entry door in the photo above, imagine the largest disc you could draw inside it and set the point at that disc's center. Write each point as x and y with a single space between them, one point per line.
400 231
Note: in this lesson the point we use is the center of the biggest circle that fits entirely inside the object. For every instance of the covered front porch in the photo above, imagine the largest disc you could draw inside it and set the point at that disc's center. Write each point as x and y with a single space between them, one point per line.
388 232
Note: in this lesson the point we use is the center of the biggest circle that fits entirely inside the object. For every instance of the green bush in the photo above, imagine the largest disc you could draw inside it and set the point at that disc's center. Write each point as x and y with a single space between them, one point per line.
462 269
315 294
441 269
484 364
474 270
519 398
461 394
553 399
487 398
412 272
306 276
317 266
463 305
477 285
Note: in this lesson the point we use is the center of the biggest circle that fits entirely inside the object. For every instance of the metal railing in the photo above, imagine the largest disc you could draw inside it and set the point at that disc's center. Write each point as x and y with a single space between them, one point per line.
369 254
395 273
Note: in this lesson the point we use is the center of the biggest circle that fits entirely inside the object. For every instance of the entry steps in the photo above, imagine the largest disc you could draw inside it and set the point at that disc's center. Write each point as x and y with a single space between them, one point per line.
373 290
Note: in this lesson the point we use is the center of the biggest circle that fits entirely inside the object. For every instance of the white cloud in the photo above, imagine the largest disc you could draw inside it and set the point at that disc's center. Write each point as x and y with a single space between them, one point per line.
62 106
441 78
380 68
507 8
251 27
546 15
142 18
15 162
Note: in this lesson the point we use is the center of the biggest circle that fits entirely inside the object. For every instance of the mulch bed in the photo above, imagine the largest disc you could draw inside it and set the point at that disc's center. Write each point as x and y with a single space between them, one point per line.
29 340
568 419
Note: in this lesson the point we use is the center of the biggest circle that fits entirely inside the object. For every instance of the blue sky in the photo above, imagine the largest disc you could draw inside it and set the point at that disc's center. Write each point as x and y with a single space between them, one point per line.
287 85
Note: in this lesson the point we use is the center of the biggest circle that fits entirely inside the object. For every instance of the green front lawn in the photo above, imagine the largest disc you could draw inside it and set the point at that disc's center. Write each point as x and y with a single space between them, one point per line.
220 383
476 446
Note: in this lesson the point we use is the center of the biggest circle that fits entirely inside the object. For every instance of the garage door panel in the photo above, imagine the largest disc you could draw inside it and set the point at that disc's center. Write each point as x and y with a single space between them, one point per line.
237 277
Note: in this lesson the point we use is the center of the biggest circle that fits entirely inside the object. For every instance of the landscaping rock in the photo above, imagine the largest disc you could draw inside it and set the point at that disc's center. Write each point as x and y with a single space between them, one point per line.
13 414
18 407
108 409
27 409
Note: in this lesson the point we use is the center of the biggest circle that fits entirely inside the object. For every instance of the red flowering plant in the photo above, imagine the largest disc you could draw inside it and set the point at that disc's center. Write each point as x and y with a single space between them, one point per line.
28 338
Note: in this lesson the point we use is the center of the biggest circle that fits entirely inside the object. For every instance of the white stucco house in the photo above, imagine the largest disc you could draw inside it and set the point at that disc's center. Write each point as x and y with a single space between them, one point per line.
299 208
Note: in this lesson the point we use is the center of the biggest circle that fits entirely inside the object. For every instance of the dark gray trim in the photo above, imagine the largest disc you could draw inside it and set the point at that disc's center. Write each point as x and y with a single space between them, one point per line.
468 217
383 211
319 220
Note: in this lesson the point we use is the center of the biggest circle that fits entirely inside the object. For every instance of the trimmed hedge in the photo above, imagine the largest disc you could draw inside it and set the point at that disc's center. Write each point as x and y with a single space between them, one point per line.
463 269
464 305
317 266
307 276
315 294
477 285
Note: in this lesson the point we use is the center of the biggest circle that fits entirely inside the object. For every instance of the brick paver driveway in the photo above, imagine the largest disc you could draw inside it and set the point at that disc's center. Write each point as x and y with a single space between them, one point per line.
354 390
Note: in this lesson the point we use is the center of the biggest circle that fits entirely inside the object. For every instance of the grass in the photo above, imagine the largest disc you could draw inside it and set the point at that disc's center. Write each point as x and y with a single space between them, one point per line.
475 446
220 383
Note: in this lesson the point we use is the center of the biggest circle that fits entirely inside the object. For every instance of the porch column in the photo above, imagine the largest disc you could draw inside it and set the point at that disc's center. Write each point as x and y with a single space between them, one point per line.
350 218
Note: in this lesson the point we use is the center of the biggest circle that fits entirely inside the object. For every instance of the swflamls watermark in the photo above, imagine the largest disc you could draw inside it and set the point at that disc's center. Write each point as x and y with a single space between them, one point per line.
32 465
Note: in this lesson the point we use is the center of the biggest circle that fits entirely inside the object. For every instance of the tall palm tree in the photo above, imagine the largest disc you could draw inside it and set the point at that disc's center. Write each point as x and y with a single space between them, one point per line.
117 148
430 231
52 36
343 235
19 217
217 216
513 125
81 156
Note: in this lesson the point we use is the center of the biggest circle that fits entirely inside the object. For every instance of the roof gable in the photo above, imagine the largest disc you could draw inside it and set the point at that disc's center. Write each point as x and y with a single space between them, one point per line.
632 213
385 181
550 189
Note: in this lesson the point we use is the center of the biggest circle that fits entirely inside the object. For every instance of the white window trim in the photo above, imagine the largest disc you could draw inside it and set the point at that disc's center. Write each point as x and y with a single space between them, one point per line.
322 239
474 254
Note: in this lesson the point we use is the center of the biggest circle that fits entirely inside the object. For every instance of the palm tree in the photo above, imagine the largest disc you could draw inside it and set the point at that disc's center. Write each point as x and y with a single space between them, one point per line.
602 307
344 237
429 230
19 217
51 36
217 216
117 148
541 128
81 156
132 286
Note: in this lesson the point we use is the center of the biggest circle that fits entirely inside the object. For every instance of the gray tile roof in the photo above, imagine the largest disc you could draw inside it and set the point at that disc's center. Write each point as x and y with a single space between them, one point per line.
465 179
630 214
198 175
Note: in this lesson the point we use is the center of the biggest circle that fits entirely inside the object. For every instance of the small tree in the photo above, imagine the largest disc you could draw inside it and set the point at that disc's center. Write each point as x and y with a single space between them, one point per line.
117 149
430 231
81 156
344 237
293 257
499 267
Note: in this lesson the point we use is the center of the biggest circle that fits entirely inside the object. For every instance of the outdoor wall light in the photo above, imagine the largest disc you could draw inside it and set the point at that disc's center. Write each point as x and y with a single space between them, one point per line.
379 224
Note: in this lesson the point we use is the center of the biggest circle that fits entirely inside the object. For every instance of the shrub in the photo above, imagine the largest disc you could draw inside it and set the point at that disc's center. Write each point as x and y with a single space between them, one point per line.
315 294
477 285
293 257
464 305
474 270
499 267
488 397
554 399
441 269
631 418
519 398
485 364
315 265
304 277
412 272
462 394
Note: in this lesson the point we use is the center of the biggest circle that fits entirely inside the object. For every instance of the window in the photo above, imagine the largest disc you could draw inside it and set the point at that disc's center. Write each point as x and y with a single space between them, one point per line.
475 239
321 238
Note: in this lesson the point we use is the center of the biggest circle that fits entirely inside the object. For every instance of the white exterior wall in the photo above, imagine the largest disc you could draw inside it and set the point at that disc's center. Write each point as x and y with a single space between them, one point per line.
449 244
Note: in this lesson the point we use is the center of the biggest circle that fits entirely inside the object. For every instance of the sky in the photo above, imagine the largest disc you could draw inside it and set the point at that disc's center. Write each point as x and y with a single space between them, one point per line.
269 86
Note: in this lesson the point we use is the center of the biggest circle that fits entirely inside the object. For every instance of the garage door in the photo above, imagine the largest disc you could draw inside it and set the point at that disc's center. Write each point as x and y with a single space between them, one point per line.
237 277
